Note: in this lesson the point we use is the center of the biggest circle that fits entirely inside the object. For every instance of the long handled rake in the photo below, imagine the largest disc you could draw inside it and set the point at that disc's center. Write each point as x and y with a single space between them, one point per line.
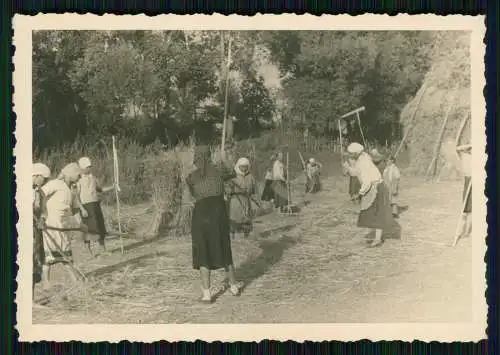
67 261
116 176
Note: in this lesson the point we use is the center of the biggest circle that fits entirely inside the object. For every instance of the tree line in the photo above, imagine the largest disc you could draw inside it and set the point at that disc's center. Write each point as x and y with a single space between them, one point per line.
164 86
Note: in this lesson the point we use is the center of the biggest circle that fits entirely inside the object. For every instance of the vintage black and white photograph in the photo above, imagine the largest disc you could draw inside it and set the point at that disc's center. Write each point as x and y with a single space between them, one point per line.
262 172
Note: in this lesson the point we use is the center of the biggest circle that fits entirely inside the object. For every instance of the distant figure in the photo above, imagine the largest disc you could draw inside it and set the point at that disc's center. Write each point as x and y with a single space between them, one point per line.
280 183
313 171
40 174
378 159
465 154
241 188
392 177
267 193
89 190
60 216
375 212
211 241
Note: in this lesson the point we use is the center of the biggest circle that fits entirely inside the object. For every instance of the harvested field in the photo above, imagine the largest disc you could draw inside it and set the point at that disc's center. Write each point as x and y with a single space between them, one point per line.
308 268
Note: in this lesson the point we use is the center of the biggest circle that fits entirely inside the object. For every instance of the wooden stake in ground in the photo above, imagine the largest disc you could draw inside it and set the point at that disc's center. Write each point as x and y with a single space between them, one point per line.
412 119
226 100
460 221
431 171
341 145
290 207
461 128
116 176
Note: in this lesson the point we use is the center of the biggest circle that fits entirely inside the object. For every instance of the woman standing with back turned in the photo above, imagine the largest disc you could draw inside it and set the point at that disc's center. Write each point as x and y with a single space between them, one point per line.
211 242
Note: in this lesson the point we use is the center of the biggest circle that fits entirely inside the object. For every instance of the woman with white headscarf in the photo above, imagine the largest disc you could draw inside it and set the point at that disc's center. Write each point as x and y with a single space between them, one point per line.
313 172
40 174
60 202
375 210
241 188
280 183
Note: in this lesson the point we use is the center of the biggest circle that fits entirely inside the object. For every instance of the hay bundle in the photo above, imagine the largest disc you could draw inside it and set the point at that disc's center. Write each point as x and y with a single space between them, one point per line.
165 177
451 66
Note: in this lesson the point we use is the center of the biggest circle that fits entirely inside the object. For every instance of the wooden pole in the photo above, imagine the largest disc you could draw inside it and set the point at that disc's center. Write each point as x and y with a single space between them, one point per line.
226 99
433 165
461 128
289 207
117 194
341 146
412 119
460 221
361 129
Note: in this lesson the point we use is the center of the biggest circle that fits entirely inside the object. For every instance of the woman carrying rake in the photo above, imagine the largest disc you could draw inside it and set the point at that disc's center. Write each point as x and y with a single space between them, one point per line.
375 212
241 188
60 217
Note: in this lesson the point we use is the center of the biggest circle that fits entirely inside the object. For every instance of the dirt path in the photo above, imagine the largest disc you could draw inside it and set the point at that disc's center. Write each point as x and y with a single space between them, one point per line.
297 271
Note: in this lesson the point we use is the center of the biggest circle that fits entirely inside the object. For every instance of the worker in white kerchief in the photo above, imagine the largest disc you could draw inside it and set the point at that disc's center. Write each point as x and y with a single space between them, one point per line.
313 172
375 211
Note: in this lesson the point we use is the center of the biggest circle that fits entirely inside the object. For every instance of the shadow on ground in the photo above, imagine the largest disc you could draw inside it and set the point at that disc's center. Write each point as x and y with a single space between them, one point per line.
272 252
114 267
138 244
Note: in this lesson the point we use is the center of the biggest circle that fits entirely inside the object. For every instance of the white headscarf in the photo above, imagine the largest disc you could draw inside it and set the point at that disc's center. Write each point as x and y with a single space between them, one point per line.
40 169
71 172
239 163
355 148
84 163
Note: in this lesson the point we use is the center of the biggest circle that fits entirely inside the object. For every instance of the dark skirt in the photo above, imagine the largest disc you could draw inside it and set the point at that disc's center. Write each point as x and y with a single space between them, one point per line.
267 193
354 186
379 214
211 241
467 199
95 220
280 193
38 254
313 185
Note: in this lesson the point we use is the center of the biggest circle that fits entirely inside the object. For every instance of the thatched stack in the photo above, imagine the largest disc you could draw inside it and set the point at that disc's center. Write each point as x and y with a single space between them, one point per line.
446 91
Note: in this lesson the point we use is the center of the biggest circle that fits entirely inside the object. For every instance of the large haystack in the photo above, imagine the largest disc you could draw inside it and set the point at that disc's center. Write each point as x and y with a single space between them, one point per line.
446 88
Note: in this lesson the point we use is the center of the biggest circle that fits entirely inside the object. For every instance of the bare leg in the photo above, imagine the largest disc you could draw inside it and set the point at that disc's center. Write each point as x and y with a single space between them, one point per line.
231 278
102 243
88 247
378 238
46 276
205 284
395 211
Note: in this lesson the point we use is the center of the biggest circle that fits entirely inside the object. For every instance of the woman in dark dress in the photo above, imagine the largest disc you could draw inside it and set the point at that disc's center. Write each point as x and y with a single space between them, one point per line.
375 211
211 242
268 193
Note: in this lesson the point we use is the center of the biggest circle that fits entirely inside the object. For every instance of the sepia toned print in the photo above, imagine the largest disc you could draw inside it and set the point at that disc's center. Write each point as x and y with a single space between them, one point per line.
308 182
